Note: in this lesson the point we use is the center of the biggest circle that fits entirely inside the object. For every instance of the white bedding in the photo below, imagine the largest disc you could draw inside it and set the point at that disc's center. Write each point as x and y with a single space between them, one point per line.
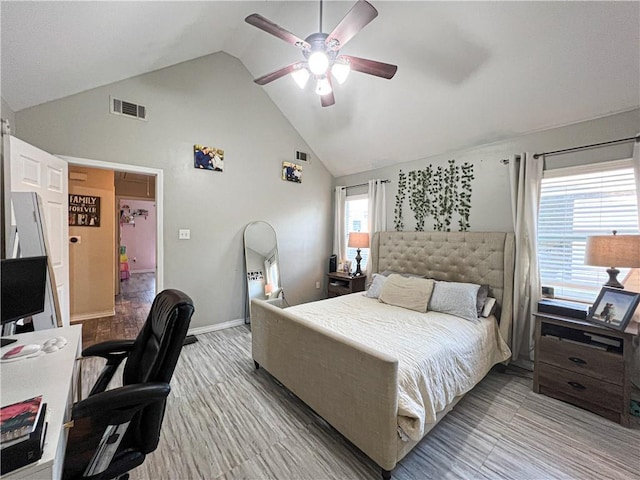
440 356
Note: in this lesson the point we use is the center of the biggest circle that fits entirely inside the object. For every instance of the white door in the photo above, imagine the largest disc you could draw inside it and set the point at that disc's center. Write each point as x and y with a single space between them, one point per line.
34 170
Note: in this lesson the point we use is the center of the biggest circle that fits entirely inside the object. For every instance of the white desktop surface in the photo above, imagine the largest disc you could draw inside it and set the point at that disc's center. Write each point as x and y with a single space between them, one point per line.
52 376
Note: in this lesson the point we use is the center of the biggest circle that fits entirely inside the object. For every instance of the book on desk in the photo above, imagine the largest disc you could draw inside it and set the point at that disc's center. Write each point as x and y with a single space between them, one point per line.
22 433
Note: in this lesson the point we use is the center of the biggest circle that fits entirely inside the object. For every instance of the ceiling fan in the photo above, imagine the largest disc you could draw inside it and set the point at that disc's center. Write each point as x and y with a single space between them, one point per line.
321 52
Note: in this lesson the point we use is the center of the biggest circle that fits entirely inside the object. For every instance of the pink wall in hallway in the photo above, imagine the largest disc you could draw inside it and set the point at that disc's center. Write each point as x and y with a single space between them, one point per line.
140 239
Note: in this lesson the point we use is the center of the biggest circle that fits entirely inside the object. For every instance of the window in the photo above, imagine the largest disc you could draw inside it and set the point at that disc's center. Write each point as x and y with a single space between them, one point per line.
356 217
575 203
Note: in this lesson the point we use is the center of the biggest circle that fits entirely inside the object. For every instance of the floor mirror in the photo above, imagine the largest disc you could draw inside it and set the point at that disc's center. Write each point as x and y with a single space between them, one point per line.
262 266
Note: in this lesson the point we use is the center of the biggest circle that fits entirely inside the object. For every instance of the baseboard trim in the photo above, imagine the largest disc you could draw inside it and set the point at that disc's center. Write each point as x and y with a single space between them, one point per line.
91 316
215 327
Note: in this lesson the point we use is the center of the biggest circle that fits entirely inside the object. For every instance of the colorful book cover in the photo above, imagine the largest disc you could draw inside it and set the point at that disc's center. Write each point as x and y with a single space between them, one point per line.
19 419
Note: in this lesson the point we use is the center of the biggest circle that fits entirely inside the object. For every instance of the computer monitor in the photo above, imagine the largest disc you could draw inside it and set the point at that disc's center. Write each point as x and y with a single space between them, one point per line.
23 286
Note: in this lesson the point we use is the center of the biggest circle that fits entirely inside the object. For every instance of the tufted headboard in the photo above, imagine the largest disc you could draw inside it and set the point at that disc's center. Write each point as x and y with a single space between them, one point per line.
471 257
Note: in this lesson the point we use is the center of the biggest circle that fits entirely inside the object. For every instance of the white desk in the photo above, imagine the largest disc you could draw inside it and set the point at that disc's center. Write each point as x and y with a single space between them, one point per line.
54 376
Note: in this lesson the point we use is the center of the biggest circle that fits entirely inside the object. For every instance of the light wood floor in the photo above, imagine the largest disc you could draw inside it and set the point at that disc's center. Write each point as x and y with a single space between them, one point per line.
225 420
131 310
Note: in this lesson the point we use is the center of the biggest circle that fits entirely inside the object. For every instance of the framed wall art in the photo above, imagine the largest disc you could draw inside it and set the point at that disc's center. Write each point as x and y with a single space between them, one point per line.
84 210
208 158
291 172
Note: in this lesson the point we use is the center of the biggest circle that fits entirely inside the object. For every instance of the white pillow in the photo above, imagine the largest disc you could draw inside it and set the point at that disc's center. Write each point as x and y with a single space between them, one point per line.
376 286
457 299
489 307
412 293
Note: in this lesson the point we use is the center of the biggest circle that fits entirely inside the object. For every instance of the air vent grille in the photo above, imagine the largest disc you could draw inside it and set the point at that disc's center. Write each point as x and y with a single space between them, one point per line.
302 156
121 107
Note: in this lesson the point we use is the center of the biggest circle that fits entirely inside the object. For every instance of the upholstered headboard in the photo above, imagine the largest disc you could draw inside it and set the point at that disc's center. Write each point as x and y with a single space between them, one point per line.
472 257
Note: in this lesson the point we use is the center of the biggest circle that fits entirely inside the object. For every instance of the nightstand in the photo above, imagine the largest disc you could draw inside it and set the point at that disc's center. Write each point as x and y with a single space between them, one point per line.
584 364
343 284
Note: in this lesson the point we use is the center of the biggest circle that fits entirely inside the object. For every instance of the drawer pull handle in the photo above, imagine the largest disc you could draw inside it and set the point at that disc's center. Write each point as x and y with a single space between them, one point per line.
577 360
577 385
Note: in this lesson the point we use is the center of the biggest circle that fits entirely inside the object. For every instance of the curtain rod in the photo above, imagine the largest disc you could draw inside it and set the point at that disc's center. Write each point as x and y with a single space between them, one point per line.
584 147
505 161
365 184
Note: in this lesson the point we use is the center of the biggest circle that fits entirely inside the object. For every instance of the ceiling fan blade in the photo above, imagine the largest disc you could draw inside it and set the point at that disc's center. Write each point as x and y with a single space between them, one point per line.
268 26
360 15
327 100
270 77
379 69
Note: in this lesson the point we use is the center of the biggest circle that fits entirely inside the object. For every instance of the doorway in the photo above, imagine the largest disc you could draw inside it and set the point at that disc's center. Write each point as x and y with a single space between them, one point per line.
140 266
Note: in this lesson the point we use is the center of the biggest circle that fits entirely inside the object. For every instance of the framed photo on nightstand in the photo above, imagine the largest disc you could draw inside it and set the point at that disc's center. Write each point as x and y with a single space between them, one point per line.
614 308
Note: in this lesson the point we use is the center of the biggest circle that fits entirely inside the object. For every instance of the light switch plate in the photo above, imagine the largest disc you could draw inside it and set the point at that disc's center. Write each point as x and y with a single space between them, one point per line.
184 234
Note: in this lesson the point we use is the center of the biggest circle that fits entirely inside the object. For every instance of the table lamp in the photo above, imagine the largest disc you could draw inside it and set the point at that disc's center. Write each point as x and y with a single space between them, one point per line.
358 240
609 250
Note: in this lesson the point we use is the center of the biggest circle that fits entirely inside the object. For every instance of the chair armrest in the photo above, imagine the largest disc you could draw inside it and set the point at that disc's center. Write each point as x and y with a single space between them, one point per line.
108 349
120 404
114 351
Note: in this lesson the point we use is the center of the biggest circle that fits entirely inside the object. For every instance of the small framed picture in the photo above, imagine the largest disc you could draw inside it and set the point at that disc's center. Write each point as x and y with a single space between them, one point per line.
291 172
614 308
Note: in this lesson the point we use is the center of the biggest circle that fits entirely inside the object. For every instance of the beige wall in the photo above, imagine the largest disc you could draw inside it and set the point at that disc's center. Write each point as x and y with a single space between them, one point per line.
91 261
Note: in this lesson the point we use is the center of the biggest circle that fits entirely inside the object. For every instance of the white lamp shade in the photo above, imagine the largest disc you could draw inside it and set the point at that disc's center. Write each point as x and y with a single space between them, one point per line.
340 71
613 251
358 240
323 87
300 76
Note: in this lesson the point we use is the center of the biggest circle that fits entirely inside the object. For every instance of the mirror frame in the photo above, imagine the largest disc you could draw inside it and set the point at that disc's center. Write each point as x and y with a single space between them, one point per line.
259 283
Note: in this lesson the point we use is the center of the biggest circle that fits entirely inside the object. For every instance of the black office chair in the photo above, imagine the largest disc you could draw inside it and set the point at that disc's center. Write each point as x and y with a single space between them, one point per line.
114 429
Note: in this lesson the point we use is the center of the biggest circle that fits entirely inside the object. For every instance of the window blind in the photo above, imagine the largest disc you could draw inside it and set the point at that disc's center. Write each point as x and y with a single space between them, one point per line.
573 206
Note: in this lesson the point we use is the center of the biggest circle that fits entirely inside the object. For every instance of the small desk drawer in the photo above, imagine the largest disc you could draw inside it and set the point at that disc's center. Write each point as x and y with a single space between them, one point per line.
589 361
582 387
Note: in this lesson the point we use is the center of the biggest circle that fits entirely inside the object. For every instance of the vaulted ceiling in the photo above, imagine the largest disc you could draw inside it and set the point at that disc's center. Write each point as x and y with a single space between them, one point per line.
469 73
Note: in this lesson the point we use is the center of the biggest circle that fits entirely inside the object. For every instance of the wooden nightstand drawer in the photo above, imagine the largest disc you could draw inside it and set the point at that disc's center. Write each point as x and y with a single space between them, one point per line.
344 284
585 390
336 290
583 359
584 364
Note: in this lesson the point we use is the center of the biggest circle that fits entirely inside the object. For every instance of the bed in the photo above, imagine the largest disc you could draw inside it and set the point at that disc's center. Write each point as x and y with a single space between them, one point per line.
361 382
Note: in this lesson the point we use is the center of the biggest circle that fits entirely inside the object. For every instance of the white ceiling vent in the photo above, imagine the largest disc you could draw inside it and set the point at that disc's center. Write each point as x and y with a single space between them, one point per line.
128 109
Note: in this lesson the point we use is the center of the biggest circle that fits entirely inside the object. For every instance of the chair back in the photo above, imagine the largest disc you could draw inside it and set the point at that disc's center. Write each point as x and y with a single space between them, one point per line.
154 357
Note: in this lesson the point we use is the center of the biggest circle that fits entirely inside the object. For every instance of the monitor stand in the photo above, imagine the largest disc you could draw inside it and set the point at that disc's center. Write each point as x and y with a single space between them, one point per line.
7 341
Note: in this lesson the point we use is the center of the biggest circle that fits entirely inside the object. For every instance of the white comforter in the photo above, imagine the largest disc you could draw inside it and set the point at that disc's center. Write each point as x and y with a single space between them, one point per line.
440 356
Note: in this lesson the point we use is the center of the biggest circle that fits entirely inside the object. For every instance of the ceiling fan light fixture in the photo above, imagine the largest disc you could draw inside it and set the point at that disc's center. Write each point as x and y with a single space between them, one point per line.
340 71
301 76
323 87
318 63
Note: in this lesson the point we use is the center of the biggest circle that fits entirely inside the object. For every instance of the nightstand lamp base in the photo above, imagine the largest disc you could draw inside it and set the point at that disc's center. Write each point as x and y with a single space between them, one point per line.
613 278
358 258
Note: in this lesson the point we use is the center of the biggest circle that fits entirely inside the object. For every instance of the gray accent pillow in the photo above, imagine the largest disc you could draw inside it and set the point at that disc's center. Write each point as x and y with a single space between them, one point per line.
483 293
457 299
407 292
489 307
376 285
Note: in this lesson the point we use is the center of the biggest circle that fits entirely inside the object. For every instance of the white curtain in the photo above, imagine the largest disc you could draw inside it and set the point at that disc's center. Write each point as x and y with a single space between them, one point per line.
525 176
339 233
377 210
636 170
